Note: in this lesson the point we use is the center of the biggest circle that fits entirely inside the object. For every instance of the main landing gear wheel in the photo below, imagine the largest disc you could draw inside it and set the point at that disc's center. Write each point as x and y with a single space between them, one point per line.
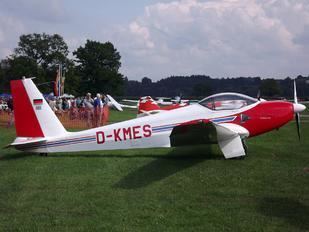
245 146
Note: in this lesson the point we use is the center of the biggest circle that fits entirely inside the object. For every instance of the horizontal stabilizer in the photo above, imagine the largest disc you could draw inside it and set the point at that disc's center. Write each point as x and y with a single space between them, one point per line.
26 140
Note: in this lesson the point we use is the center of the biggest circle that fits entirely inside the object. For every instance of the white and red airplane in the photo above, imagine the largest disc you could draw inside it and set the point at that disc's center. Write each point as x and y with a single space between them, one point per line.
39 130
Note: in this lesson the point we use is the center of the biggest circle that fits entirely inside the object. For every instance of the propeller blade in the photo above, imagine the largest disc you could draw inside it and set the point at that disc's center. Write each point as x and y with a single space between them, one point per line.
297 118
297 108
295 93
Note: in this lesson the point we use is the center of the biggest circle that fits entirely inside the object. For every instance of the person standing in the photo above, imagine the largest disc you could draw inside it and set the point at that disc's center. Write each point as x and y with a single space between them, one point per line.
11 112
88 103
52 103
105 111
98 108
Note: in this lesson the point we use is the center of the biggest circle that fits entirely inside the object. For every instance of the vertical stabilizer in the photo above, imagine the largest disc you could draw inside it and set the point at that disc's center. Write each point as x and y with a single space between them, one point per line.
33 116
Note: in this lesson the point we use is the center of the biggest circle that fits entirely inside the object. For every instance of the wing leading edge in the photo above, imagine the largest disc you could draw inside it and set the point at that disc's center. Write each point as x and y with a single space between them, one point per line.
229 136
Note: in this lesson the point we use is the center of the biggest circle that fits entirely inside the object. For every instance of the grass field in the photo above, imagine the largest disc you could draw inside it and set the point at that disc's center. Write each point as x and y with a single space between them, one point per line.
187 189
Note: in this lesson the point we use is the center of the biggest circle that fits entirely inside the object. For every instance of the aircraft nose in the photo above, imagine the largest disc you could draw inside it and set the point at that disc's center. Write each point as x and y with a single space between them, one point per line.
298 107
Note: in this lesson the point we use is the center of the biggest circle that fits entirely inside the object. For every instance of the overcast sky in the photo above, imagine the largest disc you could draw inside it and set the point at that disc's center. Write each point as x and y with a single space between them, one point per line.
220 38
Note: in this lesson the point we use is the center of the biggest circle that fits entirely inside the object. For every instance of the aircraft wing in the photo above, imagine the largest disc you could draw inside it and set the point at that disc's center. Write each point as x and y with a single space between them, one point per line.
128 100
228 135
114 102
128 106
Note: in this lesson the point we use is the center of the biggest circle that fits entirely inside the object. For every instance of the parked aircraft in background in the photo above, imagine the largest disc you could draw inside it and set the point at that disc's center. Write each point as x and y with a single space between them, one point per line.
113 103
215 119
147 106
165 101
169 101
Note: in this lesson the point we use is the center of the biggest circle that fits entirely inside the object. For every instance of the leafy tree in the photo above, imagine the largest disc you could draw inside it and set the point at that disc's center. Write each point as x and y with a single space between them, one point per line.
98 66
36 55
46 50
4 81
72 79
17 67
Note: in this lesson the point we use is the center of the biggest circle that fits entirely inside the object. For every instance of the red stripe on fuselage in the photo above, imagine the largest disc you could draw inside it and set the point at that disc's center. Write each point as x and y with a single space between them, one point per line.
26 122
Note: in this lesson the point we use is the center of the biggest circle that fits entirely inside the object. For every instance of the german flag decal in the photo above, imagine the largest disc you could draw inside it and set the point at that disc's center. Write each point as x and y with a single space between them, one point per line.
37 101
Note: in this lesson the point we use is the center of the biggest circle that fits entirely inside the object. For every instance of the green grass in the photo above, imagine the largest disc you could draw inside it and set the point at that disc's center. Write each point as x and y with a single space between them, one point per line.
116 116
187 189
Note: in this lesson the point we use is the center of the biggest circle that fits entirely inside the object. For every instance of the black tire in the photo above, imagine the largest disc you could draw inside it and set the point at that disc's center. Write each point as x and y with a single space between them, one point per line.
245 146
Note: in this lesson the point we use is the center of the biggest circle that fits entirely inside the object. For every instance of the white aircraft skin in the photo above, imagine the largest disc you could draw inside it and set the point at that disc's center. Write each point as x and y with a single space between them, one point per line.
47 135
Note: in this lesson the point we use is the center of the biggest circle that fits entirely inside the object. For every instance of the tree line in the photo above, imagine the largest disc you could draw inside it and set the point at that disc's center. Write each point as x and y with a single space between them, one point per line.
198 86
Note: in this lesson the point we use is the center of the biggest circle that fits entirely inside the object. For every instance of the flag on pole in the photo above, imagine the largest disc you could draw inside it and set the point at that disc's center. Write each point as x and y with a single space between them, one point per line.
57 84
62 84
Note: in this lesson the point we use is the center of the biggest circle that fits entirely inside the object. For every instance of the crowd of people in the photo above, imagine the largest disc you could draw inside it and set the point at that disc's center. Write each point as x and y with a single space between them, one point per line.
7 107
93 111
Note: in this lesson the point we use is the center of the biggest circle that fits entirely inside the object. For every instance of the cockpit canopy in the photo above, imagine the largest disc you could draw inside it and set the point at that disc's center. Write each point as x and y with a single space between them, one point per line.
227 101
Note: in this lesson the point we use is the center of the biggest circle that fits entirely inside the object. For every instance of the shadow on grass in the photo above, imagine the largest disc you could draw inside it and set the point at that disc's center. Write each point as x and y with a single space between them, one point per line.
17 155
140 155
292 211
188 152
165 166
194 152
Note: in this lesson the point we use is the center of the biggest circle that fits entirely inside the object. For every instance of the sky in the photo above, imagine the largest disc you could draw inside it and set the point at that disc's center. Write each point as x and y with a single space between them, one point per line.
157 39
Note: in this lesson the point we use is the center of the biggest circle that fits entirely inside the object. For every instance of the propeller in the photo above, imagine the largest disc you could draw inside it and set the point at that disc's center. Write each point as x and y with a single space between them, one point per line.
297 108
297 118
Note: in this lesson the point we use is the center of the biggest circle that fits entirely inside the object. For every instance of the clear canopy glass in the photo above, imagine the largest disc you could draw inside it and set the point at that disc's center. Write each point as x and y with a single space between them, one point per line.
227 101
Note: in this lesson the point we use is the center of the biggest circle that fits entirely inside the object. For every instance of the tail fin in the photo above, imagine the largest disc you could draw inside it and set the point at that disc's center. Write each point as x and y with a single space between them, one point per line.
147 104
33 116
